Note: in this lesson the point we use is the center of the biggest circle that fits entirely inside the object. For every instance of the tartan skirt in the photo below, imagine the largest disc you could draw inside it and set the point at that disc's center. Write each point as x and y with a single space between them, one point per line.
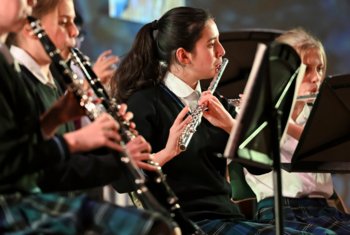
55 214
307 214
243 227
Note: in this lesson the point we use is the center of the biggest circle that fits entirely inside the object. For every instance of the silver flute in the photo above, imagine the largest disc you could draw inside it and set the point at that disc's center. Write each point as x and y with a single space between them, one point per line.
147 199
197 113
236 102
309 97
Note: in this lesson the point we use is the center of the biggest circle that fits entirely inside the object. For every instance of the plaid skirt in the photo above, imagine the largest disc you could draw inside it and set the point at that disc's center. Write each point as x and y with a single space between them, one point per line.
243 227
54 214
307 214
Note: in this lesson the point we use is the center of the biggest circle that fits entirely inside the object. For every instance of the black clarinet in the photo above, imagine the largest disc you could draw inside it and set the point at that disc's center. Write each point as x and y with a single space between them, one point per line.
93 111
171 201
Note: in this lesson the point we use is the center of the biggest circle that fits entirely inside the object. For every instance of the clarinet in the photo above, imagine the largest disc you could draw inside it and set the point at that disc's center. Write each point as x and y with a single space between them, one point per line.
172 204
197 113
93 111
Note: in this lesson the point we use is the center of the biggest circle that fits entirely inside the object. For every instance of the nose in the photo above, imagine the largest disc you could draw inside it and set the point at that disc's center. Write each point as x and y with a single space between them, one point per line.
73 33
316 77
220 50
73 30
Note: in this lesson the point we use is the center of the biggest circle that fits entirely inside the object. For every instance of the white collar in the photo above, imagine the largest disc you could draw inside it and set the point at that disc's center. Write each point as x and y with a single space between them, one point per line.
179 87
26 60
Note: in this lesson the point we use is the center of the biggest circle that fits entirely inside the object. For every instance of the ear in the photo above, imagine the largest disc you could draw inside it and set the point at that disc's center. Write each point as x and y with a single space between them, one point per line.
183 56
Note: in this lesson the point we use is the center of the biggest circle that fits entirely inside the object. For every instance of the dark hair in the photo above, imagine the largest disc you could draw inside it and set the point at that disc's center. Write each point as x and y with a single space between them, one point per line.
154 48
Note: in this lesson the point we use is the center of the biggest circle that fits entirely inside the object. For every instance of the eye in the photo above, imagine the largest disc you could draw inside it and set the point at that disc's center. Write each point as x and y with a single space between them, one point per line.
320 69
211 43
63 21
308 68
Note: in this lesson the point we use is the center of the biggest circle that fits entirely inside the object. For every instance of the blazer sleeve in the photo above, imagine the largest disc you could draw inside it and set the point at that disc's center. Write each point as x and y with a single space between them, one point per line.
22 149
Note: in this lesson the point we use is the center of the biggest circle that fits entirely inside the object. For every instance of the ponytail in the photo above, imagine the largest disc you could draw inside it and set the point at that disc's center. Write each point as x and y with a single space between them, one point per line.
140 68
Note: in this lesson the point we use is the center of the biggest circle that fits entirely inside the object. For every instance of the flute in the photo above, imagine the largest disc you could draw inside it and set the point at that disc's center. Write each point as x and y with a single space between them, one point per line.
309 97
171 203
197 113
236 102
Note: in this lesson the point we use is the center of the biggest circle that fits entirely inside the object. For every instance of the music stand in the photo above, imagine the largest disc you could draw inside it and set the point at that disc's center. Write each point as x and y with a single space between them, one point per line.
265 110
325 140
240 47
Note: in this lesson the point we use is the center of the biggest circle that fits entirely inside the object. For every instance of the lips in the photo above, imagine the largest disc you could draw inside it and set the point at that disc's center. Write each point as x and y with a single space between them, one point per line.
217 67
314 89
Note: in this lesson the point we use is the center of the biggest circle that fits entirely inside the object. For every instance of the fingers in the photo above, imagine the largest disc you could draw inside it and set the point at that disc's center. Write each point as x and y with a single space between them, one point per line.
111 60
111 134
132 126
126 115
107 122
113 145
70 106
182 115
107 58
139 150
106 75
122 109
137 146
105 66
144 157
146 166
180 123
207 98
104 54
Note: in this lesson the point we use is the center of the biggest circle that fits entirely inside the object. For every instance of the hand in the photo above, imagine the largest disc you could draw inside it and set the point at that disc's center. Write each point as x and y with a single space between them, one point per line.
298 108
294 129
172 148
70 107
127 116
215 113
103 132
139 150
105 66
65 109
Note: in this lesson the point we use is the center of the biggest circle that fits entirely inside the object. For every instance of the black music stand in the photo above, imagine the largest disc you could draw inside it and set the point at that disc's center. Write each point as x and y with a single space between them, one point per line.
265 110
325 141
240 46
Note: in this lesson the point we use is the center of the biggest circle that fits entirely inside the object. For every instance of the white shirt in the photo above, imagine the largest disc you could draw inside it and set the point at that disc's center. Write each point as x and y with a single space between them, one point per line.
25 59
186 94
294 185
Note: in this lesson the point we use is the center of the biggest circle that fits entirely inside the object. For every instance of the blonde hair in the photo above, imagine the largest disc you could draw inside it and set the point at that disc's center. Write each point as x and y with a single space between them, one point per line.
302 41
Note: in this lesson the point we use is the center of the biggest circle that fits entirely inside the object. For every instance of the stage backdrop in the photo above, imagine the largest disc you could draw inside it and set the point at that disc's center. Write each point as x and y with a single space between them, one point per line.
113 24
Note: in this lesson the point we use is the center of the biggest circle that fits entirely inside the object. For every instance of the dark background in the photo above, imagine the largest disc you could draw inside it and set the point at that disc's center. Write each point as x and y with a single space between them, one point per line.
329 20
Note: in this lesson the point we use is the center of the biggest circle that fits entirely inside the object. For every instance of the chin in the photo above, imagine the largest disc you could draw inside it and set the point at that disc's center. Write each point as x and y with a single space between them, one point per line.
65 55
207 78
